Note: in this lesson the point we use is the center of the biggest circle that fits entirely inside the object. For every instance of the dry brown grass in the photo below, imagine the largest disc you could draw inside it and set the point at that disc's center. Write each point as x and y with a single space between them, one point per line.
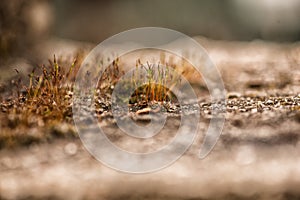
46 101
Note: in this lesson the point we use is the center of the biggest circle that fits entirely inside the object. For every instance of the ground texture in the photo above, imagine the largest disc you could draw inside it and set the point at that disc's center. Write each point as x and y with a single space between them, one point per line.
256 157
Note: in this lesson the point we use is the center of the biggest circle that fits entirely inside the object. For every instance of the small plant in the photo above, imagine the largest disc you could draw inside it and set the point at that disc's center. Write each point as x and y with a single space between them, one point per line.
109 78
153 88
48 94
43 103
150 82
46 101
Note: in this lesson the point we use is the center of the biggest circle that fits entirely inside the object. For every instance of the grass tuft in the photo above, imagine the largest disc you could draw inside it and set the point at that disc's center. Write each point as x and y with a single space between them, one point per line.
46 100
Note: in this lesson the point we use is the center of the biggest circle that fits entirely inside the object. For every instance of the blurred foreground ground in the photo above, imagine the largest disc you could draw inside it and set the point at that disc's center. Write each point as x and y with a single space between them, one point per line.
257 156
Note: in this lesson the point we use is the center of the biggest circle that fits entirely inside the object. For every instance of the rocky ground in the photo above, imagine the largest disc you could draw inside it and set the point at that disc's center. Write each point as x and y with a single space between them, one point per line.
256 157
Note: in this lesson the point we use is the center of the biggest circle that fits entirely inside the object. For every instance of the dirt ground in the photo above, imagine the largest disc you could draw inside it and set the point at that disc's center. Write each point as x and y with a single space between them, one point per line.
256 157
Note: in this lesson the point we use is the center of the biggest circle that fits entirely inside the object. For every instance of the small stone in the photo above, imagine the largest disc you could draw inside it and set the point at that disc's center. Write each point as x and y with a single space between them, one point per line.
243 110
143 111
205 104
269 102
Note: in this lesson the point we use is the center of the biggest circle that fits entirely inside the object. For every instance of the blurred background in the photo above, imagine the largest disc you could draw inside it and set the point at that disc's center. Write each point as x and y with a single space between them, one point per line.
25 23
225 20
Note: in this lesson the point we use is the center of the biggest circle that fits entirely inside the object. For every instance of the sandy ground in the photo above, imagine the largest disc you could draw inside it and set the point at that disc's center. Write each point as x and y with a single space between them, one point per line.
256 157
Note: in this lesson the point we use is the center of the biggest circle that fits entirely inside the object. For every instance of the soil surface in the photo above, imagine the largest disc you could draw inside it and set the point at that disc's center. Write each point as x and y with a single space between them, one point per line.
256 157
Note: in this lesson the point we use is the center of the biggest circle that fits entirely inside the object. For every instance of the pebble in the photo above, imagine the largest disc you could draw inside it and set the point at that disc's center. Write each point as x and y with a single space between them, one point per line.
143 111
243 110
269 102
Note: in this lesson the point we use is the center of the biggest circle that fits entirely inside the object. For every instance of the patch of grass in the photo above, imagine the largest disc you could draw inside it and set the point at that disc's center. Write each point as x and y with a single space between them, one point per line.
46 101
30 111
48 94
47 97
153 88
150 82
